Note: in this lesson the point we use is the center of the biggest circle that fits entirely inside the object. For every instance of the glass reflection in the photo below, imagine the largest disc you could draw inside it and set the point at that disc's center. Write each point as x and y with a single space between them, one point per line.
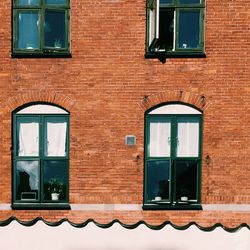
189 1
166 29
157 180
54 29
28 2
56 1
186 180
55 175
166 1
27 180
189 29
28 30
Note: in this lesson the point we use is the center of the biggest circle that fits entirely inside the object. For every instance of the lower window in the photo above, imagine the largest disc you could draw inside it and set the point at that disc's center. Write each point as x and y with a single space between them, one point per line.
40 160
172 161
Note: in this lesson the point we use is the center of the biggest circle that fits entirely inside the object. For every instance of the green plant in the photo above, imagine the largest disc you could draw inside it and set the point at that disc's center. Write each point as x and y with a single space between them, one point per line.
57 43
55 186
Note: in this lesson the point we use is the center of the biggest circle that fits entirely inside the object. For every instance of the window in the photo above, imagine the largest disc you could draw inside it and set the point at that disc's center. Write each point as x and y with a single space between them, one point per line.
172 158
41 27
40 157
175 27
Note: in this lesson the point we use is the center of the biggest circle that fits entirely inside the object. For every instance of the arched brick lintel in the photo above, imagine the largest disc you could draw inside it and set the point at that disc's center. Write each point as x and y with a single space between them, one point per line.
37 97
198 101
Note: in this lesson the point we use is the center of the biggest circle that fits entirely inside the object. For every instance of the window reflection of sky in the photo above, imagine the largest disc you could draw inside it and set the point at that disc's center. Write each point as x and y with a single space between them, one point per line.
31 168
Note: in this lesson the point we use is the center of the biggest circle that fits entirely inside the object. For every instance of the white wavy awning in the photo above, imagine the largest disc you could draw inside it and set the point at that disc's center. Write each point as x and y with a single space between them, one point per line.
91 237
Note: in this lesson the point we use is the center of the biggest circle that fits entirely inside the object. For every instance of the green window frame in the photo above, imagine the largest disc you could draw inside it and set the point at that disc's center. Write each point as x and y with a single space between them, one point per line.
40 161
41 27
172 167
175 28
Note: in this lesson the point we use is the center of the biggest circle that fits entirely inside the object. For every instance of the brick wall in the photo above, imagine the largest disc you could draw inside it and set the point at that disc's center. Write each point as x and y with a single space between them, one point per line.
107 86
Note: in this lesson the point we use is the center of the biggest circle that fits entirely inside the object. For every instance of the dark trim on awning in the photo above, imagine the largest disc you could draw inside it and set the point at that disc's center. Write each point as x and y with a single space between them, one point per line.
127 226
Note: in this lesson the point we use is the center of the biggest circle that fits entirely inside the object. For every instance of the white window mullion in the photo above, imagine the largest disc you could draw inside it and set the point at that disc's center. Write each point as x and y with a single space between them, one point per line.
157 18
153 32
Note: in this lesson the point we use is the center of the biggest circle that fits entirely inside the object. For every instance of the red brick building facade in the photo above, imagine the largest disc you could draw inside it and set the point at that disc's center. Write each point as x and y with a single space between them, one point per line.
107 85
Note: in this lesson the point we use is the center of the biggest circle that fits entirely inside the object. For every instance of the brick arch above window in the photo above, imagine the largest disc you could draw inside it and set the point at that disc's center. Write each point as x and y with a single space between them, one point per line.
30 97
199 102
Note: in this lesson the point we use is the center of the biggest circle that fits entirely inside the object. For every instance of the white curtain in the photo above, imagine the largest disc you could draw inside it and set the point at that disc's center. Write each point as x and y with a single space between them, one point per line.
56 139
188 139
31 168
159 144
28 139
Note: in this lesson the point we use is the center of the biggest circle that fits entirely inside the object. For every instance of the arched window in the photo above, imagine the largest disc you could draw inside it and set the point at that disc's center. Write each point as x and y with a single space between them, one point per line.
172 157
40 157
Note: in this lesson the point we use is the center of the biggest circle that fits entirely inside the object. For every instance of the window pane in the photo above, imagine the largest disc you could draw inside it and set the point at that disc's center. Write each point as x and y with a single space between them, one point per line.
153 29
56 1
166 1
189 1
166 29
28 136
27 180
189 29
56 136
54 29
188 137
159 138
28 2
55 180
158 180
28 30
186 180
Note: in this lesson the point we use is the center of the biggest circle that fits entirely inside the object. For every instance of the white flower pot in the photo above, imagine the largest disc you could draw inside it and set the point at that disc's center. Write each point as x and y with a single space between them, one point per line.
158 198
55 197
184 198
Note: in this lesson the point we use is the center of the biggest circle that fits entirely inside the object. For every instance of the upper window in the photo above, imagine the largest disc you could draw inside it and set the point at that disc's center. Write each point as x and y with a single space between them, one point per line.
41 27
40 157
175 27
172 158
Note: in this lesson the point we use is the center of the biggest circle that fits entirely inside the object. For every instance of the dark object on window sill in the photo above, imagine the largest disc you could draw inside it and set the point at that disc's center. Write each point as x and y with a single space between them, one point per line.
175 54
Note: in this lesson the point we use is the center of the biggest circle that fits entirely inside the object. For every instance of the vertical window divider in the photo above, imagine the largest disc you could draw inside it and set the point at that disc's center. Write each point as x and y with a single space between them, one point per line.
67 28
41 28
171 180
175 37
174 182
14 155
41 156
173 157
14 31
157 17
202 22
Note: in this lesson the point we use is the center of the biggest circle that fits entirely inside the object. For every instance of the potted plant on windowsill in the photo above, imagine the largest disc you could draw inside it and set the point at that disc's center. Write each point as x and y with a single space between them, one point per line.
55 188
29 46
57 44
184 194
